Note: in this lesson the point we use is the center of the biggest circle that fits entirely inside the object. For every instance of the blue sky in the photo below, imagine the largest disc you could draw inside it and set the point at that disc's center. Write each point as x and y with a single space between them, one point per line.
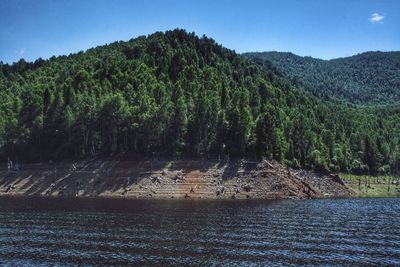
319 28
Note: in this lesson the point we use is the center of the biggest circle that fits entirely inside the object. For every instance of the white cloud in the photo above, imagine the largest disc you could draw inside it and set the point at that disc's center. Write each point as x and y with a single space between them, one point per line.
376 18
21 52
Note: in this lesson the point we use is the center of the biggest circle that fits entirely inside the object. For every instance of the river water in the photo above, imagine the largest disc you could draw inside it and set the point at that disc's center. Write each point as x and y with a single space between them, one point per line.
338 232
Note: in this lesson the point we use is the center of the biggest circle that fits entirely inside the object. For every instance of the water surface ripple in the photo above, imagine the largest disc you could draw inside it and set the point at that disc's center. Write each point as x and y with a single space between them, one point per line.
337 232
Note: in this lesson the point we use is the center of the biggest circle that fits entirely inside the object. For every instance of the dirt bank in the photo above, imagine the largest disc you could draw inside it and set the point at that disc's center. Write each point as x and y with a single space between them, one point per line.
156 178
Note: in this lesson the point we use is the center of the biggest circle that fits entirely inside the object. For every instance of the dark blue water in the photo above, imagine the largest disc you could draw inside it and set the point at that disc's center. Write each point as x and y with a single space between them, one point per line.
344 232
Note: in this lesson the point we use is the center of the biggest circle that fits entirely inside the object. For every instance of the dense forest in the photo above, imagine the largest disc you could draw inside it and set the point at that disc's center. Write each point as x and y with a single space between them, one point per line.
364 79
177 93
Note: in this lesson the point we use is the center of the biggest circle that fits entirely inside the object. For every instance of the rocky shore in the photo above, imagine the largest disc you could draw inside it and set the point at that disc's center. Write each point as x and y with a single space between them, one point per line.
164 178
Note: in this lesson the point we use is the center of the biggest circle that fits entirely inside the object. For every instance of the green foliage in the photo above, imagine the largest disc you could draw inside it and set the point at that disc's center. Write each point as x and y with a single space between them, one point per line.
176 93
367 78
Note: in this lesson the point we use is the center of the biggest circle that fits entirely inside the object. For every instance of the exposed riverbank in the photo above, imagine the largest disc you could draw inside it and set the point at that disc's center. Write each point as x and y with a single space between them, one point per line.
162 178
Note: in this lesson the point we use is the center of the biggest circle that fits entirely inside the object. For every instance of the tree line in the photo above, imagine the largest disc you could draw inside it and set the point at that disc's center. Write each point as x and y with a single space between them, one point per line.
369 78
177 93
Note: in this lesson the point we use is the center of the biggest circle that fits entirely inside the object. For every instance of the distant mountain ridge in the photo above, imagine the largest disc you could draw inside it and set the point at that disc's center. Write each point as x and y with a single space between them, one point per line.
366 78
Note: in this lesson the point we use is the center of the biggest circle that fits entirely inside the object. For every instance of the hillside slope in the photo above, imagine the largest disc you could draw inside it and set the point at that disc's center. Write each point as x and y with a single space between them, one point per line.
176 93
367 78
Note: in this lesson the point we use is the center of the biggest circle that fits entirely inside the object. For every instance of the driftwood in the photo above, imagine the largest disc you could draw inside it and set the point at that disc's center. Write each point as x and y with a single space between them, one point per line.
269 164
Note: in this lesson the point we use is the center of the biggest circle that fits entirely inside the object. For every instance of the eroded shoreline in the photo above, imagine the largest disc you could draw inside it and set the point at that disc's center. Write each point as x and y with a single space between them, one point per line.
165 179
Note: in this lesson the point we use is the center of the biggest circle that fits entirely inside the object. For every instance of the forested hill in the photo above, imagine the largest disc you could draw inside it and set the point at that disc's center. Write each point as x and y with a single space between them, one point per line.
176 93
367 78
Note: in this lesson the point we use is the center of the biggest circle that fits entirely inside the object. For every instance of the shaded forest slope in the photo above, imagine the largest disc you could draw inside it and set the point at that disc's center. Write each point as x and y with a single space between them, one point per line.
176 93
367 78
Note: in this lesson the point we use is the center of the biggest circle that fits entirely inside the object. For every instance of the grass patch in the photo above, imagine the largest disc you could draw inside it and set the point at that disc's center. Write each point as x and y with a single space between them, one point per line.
372 186
168 165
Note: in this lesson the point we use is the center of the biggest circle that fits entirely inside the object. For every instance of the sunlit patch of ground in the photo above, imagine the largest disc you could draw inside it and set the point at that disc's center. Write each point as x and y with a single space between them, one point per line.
372 186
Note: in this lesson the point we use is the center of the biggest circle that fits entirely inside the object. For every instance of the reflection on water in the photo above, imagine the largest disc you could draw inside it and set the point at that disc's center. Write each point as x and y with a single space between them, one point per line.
113 232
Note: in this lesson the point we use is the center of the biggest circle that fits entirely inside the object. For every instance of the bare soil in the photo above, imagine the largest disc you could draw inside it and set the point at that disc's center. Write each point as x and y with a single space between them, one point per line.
163 178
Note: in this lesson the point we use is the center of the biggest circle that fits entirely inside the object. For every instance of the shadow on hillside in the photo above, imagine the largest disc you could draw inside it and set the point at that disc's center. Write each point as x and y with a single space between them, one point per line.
95 177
